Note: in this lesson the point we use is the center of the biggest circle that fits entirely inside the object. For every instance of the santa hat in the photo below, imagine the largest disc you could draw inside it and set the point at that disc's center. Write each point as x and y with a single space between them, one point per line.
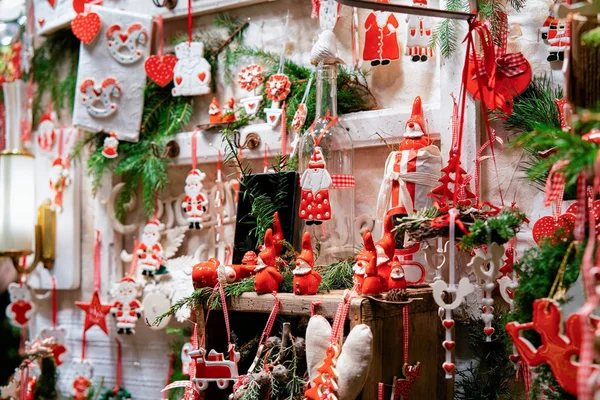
416 116
420 2
307 254
316 160
277 233
113 135
214 107
388 242
47 116
231 103
368 252
196 174
154 222
267 254
249 258
57 161
128 279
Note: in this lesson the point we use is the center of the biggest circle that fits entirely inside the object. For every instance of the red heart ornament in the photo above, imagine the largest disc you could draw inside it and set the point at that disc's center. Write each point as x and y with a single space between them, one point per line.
41 21
160 69
202 76
178 80
546 226
79 5
251 105
515 358
52 3
86 26
449 367
448 344
595 207
448 323
489 331
272 118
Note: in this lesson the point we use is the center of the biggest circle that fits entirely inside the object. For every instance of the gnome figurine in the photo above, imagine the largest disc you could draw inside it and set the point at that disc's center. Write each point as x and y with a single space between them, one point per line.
247 267
397 278
267 277
214 112
367 258
385 248
306 279
229 111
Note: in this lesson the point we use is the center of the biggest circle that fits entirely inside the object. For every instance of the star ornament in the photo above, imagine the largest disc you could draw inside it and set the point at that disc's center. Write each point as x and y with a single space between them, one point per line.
95 313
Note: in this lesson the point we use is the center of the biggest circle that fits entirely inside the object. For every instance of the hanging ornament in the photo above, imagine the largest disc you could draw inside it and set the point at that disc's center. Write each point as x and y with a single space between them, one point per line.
414 272
55 334
195 202
95 311
86 25
214 112
327 11
564 113
249 78
559 38
186 359
118 392
385 248
111 144
60 173
278 86
191 391
306 279
546 25
300 117
81 371
124 45
418 37
21 307
266 274
46 135
126 309
99 100
229 111
150 251
381 41
160 68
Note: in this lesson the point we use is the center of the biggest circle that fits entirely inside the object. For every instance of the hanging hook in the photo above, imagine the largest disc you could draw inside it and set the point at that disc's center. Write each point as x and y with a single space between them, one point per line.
171 150
169 4
251 142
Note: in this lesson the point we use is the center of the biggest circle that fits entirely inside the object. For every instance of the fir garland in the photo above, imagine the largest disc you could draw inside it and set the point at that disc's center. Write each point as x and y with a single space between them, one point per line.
591 37
499 229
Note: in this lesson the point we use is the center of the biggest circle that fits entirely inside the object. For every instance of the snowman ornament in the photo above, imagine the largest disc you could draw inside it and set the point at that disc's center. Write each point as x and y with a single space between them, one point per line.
192 74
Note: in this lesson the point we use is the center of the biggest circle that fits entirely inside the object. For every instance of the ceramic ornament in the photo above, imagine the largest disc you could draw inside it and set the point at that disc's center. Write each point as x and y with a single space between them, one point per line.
126 309
192 73
327 11
85 26
300 117
214 367
306 279
418 38
81 372
229 111
161 68
414 272
150 250
564 113
366 263
246 269
60 179
315 182
436 257
57 336
385 248
547 226
486 265
209 273
156 303
214 112
249 78
266 274
111 144
381 41
21 307
95 312
277 89
546 25
110 74
125 43
195 202
46 134
559 39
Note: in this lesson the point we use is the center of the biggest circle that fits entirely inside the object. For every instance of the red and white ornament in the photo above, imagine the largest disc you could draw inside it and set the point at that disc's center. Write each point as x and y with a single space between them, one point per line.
86 25
81 371
315 182
229 111
150 251
58 335
381 41
124 45
46 134
306 279
192 73
186 359
215 116
126 309
277 88
564 113
98 100
249 78
21 307
559 38
95 312
111 144
266 274
299 117
418 37
327 11
161 68
60 179
195 202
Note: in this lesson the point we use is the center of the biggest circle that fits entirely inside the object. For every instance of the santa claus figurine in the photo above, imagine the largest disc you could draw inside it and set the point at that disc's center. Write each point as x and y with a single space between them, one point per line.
195 201
306 279
267 277
60 178
111 143
209 273
46 135
126 309
381 42
150 251
315 182
214 112
418 37
559 37
397 280
367 261
278 236
229 111
385 248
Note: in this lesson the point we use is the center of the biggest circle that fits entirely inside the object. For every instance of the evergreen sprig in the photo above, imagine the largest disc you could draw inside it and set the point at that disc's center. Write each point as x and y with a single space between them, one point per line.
498 228
445 35
591 37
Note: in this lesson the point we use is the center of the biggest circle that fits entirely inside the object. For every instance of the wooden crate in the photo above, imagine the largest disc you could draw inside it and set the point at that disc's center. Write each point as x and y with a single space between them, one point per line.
385 320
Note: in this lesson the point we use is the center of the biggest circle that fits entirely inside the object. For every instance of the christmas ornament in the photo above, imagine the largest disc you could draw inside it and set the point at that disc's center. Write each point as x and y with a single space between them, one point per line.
300 116
246 269
414 272
314 203
385 248
373 283
186 360
334 372
327 11
397 280
60 174
209 273
572 209
418 37
559 38
564 113
111 144
190 392
412 171
277 88
437 257
126 309
56 335
306 279
160 68
86 25
98 100
123 46
229 111
46 135
381 41
214 112
558 350
150 251
21 307
192 71
325 49
249 78
546 25
195 202
155 304
95 311
82 381
548 225
266 275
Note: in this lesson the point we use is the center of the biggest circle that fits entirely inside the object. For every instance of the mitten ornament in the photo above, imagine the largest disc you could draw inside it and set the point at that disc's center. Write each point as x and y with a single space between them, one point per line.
192 73
126 309
82 379
418 38
111 143
381 41
266 275
195 202
46 135
315 182
306 279
249 78
150 251
21 307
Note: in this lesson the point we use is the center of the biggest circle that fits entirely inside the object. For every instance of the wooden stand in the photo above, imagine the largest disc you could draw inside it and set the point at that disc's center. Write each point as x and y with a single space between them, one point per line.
385 320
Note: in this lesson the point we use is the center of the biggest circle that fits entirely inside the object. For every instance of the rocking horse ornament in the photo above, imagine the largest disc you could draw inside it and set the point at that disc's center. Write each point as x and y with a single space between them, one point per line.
98 100
124 45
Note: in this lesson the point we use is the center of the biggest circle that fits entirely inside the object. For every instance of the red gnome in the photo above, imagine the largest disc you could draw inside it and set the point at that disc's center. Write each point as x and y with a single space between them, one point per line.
204 274
397 280
306 279
267 277
246 269
367 259
277 234
385 252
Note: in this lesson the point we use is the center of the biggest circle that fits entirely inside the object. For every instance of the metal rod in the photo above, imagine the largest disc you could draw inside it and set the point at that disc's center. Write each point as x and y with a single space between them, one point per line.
403 9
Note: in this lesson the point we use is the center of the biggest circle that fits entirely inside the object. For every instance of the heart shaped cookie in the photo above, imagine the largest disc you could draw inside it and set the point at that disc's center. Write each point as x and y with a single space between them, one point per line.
547 226
160 69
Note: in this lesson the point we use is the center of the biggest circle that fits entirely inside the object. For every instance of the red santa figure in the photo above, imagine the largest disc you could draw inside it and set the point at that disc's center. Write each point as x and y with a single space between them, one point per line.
60 178
546 25
306 279
381 42
111 143
278 236
46 135
126 309
315 182
214 112
267 277
397 280
559 37
418 38
150 251
411 172
385 248
229 111
367 261
195 201
21 308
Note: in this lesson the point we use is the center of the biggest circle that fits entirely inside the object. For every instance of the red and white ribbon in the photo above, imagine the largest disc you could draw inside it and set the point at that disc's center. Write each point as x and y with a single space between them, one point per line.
555 186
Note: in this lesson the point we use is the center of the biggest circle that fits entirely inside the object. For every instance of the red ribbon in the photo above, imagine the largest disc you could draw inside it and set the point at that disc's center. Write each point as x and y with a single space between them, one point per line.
194 148
190 22
53 302
24 380
134 258
161 39
284 138
97 252
337 328
119 366
269 326
555 186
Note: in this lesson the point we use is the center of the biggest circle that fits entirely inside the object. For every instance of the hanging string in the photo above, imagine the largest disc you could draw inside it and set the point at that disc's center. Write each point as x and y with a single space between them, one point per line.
308 87
285 35
190 22
337 328
265 161
134 258
194 149
580 215
24 380
481 158
60 142
53 301
355 42
159 24
97 252
405 329
170 370
218 288
284 138
83 345
271 320
119 366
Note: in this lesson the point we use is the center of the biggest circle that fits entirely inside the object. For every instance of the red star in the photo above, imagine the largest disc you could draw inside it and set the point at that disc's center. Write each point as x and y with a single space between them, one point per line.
95 313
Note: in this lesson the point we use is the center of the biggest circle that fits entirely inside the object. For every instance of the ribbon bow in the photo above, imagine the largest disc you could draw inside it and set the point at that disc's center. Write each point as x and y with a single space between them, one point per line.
555 185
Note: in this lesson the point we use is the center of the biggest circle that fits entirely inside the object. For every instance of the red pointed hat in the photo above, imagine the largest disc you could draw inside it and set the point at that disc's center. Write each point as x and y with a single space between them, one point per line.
316 160
277 233
57 161
307 252
416 117
128 279
268 254
387 241
249 258
368 252
420 2
47 116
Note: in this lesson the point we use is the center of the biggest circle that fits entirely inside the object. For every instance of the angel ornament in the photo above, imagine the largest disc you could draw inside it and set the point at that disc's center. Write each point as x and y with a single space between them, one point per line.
152 252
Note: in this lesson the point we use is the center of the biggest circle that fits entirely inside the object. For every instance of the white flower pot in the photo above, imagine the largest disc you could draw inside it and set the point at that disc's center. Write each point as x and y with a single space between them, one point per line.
273 116
251 104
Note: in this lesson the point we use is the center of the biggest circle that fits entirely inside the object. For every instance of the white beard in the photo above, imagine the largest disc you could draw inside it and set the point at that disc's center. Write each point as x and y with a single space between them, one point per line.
192 190
260 265
148 240
397 273
302 269
413 132
358 270
381 256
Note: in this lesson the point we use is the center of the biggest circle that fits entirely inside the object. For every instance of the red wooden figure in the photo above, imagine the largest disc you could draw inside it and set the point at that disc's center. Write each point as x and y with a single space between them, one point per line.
372 284
306 279
267 277
385 248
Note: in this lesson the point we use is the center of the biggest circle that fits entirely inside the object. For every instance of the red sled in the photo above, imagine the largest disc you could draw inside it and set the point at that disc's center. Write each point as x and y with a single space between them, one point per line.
214 368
